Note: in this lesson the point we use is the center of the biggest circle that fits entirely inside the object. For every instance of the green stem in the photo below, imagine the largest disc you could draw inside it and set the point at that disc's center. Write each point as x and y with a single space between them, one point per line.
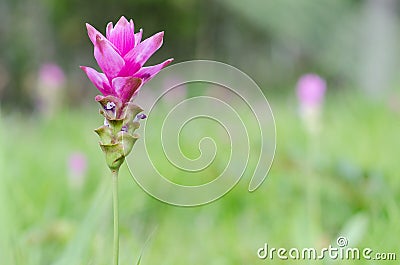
116 217
314 195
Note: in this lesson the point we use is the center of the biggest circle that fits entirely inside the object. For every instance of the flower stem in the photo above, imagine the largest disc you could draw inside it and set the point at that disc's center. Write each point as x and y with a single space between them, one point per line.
116 217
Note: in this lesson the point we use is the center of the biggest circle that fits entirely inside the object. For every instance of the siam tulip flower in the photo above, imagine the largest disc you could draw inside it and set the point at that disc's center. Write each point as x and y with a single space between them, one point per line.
310 92
77 167
51 75
121 56
50 82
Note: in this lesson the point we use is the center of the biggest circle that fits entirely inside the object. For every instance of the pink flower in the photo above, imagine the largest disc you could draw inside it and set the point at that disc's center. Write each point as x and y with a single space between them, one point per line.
77 167
311 90
47 94
121 56
51 75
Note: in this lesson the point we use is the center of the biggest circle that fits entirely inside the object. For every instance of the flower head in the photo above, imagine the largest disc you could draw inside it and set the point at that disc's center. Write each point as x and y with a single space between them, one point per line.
311 90
51 75
50 82
121 56
77 167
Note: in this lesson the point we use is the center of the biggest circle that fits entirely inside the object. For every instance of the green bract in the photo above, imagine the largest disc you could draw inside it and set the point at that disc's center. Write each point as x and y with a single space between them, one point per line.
117 135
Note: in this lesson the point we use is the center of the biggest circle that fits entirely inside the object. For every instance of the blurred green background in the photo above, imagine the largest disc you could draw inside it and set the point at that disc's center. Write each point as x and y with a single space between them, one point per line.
55 191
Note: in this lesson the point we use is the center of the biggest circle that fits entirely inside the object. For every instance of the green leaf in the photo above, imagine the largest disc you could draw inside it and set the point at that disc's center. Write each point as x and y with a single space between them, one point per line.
145 246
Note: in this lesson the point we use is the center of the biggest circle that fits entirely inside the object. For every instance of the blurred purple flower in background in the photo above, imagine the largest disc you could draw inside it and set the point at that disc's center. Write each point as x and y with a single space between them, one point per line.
121 56
51 81
77 167
311 90
51 75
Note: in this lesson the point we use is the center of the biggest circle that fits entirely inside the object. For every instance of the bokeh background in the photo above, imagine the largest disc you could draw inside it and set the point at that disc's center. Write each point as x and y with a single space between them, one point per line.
336 169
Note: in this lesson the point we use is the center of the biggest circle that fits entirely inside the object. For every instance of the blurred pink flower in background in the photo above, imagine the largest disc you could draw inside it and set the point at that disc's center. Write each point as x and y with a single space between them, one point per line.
51 81
77 167
51 75
121 56
311 90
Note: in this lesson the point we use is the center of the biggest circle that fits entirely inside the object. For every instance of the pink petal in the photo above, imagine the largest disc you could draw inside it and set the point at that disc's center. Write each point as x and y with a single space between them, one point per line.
137 57
109 29
99 80
147 73
122 35
125 87
107 57
92 33
311 90
138 37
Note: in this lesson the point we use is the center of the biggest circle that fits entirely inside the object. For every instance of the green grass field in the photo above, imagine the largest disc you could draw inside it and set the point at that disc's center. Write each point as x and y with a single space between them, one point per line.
345 182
